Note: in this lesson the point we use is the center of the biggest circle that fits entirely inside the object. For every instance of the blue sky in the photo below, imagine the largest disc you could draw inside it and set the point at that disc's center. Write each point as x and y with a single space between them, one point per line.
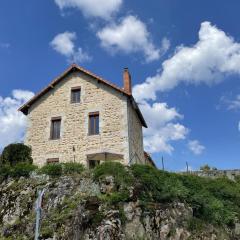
186 53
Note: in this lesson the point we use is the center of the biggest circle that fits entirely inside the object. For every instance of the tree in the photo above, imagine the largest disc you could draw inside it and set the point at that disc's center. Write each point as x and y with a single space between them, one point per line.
15 153
205 168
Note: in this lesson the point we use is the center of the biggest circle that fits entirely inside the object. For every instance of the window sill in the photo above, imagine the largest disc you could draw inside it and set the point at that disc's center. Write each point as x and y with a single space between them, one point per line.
75 103
93 135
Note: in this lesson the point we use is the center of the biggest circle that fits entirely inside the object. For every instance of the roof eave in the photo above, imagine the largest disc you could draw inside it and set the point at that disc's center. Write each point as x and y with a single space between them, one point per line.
139 113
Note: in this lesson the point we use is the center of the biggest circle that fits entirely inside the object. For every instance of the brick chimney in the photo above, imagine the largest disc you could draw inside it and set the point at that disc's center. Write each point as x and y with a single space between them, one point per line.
127 82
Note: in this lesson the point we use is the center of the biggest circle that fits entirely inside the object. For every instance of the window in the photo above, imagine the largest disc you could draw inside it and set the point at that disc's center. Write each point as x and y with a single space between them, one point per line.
93 123
75 95
55 128
52 160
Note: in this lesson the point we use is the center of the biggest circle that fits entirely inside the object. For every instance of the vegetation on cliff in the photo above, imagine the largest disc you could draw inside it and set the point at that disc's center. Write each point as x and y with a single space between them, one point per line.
80 201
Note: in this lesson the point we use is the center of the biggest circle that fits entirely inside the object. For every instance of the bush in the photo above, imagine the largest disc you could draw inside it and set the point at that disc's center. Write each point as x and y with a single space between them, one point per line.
158 185
195 224
115 169
4 172
22 170
19 170
213 200
53 170
72 167
116 197
15 153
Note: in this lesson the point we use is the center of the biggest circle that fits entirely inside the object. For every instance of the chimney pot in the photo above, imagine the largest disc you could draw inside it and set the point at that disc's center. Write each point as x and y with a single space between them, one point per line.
127 81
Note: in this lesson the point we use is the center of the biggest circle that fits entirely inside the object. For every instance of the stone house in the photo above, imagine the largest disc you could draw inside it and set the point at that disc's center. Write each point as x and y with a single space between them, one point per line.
83 118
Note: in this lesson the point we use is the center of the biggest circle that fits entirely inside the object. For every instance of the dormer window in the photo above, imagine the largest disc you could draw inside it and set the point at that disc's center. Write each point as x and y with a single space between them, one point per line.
75 95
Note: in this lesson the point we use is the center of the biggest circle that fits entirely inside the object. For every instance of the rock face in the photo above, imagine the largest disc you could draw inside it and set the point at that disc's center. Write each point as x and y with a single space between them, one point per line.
76 207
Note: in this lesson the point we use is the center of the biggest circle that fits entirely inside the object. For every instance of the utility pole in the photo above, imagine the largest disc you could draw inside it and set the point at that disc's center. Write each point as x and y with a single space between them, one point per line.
187 166
163 164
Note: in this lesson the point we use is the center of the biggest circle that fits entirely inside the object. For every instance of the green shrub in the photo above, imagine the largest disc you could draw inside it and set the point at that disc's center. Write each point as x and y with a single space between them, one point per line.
115 197
195 225
19 170
121 176
213 200
15 153
158 185
72 167
53 170
4 172
22 170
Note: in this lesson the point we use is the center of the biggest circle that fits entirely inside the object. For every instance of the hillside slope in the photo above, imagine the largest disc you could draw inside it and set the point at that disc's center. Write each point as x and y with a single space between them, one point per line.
115 202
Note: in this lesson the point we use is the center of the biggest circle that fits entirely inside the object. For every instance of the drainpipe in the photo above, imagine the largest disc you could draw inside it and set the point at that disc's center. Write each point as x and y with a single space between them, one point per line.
38 209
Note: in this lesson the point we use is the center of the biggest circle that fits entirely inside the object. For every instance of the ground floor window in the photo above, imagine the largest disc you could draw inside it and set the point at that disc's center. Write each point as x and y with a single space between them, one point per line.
52 160
93 163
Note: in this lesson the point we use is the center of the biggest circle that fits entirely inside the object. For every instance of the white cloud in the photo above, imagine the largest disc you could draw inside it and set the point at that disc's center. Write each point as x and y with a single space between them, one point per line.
12 122
163 129
213 57
92 8
130 35
4 45
64 44
196 147
233 104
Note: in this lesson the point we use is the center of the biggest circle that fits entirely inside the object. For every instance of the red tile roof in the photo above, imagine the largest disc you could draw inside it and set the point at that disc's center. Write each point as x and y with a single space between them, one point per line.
71 69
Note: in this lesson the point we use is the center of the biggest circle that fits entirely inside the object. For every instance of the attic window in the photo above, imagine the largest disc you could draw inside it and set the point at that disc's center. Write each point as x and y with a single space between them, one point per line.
75 95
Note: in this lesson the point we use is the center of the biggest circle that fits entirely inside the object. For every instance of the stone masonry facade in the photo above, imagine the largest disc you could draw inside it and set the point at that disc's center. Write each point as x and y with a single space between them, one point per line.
120 129
136 152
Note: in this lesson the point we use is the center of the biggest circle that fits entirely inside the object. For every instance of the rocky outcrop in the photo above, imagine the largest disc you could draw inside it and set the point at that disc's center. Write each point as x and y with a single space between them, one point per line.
76 207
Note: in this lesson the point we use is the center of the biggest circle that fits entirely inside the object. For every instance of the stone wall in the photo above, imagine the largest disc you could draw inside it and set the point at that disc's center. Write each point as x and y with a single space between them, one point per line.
231 174
135 137
95 96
